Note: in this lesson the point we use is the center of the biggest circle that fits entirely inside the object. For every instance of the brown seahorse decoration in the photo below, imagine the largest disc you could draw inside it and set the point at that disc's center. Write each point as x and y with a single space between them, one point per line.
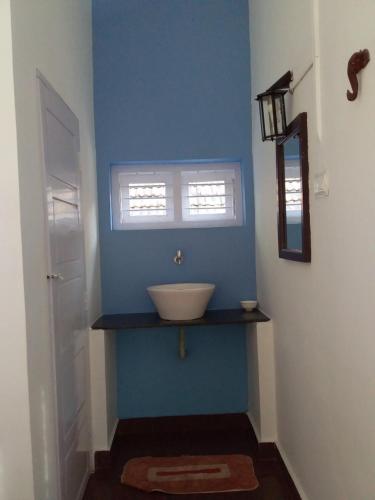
357 62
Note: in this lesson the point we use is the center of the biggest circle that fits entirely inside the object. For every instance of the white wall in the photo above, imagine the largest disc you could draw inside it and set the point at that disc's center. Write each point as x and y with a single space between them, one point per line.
322 312
261 381
55 37
103 388
16 474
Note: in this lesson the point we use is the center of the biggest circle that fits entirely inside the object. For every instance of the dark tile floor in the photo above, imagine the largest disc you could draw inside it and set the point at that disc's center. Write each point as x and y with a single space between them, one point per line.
173 436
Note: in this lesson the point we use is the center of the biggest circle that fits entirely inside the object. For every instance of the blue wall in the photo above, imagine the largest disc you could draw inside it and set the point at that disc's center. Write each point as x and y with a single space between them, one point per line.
172 82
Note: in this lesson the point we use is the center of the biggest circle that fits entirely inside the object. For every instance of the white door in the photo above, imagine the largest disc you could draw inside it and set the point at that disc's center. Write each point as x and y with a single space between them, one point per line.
60 133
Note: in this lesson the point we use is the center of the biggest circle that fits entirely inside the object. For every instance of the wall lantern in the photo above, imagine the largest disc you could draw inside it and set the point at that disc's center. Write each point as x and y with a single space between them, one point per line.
272 108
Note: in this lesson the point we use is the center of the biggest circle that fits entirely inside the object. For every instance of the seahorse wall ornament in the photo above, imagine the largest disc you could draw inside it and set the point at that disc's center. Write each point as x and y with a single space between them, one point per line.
357 62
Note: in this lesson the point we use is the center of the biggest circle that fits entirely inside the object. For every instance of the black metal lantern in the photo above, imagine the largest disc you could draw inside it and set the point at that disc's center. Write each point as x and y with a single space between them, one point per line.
272 114
272 109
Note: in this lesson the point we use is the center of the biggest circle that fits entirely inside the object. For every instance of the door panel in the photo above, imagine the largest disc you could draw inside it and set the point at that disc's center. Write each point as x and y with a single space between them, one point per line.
60 149
73 389
61 137
67 231
67 289
68 326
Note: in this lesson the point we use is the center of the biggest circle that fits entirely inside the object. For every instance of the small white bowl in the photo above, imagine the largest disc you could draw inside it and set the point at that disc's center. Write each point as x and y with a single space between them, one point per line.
248 305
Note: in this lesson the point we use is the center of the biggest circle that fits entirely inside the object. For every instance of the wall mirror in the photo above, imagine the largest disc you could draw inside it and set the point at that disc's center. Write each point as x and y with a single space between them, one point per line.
293 192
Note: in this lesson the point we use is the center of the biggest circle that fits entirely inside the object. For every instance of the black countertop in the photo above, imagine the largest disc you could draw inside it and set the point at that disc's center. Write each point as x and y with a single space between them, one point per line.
153 320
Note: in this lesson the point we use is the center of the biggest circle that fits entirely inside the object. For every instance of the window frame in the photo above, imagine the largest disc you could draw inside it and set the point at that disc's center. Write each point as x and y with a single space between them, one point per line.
175 172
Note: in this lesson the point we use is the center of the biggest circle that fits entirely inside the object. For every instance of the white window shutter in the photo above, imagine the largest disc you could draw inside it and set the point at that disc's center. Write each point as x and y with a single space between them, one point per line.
176 195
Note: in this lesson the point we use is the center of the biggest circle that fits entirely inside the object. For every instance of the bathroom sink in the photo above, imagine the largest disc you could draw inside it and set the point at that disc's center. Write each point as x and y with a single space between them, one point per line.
181 301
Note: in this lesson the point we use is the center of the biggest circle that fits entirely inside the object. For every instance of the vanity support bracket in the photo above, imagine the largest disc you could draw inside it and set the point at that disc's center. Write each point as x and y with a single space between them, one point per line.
182 343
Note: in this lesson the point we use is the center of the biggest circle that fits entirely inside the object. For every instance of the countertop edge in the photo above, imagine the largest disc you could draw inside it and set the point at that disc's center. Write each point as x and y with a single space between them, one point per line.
133 321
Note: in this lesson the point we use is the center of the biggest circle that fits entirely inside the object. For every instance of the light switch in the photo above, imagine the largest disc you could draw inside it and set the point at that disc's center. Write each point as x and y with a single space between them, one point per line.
321 185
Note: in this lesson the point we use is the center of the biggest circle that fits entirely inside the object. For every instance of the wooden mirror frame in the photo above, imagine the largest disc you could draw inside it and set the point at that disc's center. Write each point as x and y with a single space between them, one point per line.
297 127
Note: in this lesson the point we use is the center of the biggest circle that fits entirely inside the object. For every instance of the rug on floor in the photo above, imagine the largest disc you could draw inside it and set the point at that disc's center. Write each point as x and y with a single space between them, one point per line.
191 474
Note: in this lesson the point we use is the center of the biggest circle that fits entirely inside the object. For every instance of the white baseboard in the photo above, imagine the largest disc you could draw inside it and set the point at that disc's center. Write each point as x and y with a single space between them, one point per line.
293 475
83 487
112 434
255 427
111 437
283 454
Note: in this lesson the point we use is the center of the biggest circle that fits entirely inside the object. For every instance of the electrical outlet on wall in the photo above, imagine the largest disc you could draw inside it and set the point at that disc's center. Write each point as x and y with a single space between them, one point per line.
321 185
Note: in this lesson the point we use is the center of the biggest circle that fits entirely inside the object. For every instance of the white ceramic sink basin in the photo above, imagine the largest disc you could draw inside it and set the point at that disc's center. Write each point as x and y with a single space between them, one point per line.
181 301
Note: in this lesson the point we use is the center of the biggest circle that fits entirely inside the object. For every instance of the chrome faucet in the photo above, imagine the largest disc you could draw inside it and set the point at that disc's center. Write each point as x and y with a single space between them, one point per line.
178 258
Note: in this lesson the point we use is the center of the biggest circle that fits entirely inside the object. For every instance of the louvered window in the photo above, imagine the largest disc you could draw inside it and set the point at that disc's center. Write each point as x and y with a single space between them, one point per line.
176 195
209 194
293 191
143 197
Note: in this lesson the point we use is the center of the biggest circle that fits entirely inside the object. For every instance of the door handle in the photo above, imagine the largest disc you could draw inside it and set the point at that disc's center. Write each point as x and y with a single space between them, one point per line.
57 276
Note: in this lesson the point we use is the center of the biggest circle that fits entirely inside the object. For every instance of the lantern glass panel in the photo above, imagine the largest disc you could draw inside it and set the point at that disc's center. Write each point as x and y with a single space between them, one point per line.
269 126
280 118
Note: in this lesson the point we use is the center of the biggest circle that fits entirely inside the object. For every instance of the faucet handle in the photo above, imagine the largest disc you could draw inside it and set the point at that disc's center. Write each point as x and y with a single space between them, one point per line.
178 258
